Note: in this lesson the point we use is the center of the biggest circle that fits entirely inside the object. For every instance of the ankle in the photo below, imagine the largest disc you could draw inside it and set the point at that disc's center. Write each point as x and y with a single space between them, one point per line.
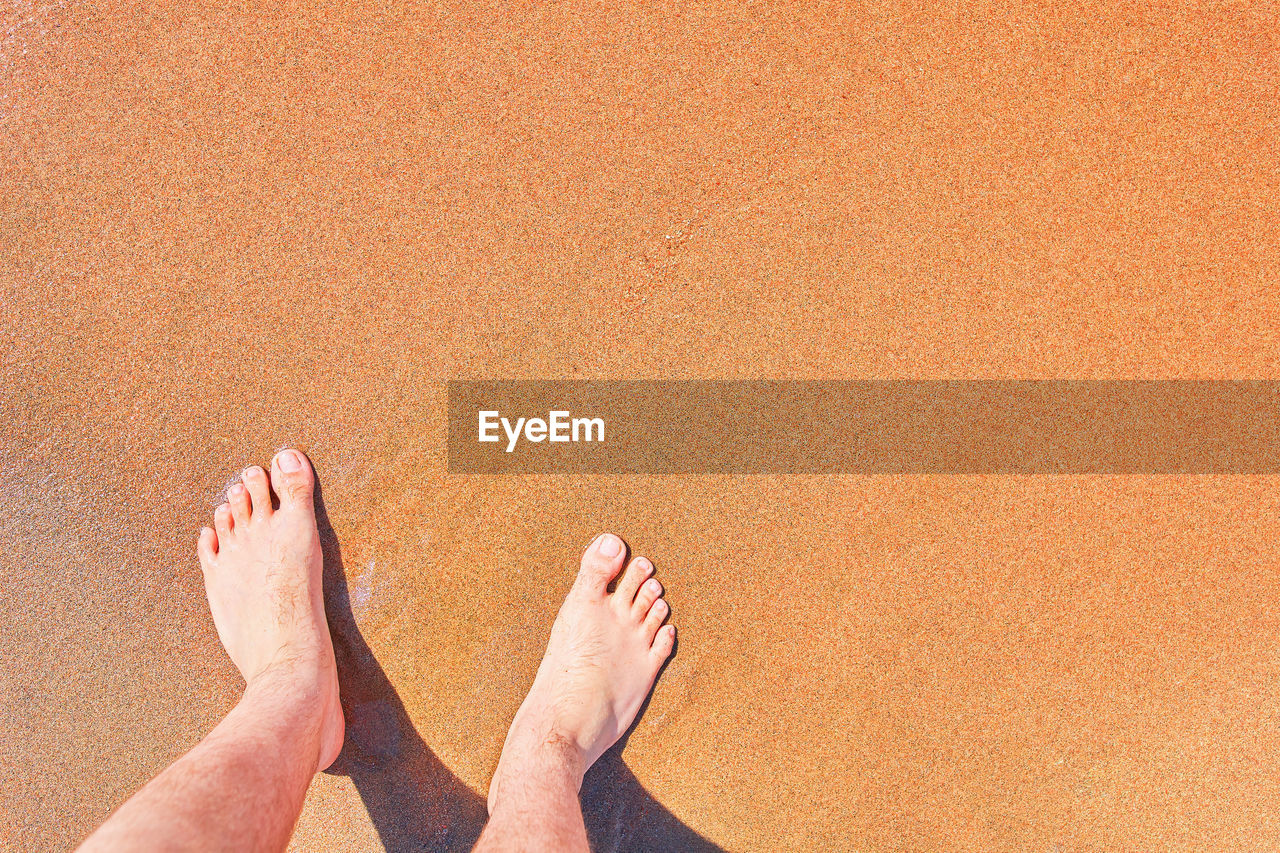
543 759
561 754
547 736
300 677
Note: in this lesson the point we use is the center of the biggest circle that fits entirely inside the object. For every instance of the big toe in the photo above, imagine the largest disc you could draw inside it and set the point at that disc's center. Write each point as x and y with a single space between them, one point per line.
292 478
601 563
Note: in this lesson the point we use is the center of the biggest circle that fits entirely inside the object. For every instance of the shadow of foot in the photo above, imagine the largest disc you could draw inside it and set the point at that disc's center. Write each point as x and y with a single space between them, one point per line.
418 804
622 816
414 801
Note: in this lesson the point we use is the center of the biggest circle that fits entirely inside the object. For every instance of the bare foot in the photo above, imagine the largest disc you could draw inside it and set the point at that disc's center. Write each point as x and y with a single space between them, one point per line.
604 654
262 573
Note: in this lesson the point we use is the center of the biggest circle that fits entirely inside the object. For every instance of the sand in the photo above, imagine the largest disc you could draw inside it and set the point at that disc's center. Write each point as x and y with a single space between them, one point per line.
227 229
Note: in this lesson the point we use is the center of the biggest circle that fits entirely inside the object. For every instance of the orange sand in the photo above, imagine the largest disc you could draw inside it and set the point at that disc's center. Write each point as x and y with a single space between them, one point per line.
225 229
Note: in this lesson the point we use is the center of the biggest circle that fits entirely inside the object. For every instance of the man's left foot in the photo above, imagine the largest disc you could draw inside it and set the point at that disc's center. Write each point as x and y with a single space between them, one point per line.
263 575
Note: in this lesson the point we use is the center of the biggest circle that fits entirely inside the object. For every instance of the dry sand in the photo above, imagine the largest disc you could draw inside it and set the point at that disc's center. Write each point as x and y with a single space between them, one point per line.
227 229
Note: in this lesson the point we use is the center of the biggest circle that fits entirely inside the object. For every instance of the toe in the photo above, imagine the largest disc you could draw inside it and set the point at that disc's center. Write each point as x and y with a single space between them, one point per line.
238 497
293 479
653 621
637 570
255 480
207 546
601 562
222 522
650 592
663 643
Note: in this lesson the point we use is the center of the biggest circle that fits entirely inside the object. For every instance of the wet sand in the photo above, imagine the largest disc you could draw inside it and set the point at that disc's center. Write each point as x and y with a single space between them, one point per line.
224 230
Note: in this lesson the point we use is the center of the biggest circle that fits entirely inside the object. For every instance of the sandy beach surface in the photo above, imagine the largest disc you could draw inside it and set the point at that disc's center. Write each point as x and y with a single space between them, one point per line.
225 228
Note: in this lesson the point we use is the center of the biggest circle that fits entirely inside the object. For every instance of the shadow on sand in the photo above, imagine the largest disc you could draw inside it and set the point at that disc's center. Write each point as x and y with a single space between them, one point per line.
414 801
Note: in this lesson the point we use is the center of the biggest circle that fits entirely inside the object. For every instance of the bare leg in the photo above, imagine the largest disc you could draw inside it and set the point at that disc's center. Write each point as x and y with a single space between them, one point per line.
604 654
242 787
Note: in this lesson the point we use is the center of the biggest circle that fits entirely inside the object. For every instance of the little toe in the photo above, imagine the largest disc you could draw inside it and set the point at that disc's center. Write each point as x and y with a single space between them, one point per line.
650 592
663 644
637 570
207 545
293 480
657 613
222 523
255 480
601 562
238 497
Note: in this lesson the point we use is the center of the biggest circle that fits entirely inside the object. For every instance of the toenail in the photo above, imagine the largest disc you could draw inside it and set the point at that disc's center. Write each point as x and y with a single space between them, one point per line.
289 461
653 586
610 546
237 490
645 565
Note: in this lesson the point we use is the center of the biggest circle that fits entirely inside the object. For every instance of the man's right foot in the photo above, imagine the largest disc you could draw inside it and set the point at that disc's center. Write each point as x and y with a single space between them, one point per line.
604 654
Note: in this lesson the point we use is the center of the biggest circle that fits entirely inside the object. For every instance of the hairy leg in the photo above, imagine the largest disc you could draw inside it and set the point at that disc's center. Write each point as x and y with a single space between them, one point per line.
243 786
603 656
